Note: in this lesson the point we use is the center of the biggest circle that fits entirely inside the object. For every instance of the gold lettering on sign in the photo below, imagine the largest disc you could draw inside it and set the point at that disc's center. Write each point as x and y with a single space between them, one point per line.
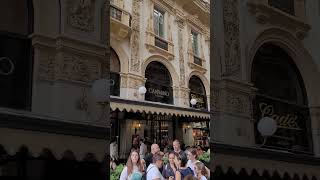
199 99
288 121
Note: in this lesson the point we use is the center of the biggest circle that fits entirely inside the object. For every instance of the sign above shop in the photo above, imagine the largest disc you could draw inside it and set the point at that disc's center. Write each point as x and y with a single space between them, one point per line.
201 101
159 93
292 132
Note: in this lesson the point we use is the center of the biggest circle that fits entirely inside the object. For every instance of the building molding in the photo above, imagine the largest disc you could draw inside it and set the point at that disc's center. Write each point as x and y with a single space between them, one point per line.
166 63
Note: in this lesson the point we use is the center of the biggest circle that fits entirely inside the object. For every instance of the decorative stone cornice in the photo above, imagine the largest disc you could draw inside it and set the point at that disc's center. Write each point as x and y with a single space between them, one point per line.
67 43
197 67
194 21
205 6
167 5
266 14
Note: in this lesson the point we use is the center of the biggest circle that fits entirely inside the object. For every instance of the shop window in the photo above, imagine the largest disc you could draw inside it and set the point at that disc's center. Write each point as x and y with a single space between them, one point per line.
158 84
114 74
281 95
283 5
16 59
197 91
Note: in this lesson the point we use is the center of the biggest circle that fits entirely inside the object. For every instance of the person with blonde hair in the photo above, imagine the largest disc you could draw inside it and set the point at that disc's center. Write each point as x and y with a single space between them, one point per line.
201 171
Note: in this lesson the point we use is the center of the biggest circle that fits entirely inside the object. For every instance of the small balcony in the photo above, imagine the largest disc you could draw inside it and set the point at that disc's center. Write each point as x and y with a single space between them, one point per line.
157 44
120 22
196 63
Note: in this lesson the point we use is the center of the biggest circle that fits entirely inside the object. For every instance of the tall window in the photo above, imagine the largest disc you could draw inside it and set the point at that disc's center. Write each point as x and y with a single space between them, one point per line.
158 22
158 84
198 92
114 74
16 53
281 96
284 5
194 41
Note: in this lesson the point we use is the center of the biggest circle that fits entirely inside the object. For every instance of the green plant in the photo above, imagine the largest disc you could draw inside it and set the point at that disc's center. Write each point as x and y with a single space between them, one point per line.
205 157
165 159
115 174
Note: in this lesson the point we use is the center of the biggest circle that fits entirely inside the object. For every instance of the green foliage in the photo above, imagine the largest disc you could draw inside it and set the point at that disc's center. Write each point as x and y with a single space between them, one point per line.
115 174
165 159
205 157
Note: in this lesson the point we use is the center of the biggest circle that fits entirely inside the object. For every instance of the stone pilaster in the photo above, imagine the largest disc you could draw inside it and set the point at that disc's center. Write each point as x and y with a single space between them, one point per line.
232 107
129 86
315 129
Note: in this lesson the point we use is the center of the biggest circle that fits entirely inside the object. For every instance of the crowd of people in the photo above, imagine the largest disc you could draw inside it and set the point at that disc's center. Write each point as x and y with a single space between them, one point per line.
180 165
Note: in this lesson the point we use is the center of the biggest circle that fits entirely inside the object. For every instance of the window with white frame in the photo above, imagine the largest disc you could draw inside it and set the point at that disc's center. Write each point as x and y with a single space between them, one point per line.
158 22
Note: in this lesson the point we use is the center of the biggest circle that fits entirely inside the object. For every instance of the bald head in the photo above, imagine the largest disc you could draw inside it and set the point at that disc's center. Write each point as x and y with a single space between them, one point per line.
155 148
176 146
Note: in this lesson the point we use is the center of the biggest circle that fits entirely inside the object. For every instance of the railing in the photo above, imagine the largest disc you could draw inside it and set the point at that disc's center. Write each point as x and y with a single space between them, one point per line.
160 43
197 60
283 5
115 13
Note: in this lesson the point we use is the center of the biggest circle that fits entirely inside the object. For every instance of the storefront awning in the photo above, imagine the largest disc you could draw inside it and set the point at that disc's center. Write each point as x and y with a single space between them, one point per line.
262 162
158 108
36 142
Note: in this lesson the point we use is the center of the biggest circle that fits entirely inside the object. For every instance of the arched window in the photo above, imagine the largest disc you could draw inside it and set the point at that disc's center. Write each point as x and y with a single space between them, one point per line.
281 96
114 74
198 92
16 59
158 84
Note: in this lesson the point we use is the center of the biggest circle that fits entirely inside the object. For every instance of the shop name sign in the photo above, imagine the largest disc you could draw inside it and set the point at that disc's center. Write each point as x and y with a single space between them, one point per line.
199 99
288 121
158 92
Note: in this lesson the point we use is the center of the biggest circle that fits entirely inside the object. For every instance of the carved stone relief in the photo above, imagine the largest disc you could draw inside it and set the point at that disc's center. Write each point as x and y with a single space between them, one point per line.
237 103
78 69
231 36
135 36
47 66
81 14
181 57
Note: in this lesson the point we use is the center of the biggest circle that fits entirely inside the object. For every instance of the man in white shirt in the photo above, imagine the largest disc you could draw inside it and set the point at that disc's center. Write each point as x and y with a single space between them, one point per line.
153 172
143 149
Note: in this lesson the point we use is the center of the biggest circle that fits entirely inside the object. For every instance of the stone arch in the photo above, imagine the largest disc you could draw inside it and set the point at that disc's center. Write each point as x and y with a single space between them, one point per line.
123 56
300 56
204 80
168 65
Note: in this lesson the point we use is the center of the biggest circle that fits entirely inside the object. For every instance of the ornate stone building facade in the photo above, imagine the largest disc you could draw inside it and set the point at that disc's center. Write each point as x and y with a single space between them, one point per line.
165 34
264 63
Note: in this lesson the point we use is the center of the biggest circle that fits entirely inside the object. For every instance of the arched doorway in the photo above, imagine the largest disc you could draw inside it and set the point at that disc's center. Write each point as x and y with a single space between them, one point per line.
158 84
114 73
16 59
282 96
198 92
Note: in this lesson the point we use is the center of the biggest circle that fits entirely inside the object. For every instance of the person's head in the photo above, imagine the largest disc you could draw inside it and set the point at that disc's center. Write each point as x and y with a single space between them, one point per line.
171 157
155 148
192 154
200 169
114 139
157 160
180 160
176 145
135 140
189 177
134 159
141 140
